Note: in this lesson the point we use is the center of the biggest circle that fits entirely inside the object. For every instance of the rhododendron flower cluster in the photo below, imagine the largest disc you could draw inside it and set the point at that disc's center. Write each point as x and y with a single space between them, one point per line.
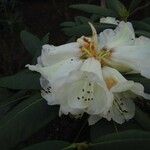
87 76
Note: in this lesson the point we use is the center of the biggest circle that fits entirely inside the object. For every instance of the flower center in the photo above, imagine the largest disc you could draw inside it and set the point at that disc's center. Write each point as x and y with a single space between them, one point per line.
89 50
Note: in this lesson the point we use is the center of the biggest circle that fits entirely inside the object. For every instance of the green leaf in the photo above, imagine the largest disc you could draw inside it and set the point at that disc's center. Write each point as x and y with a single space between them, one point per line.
31 42
49 145
119 8
24 120
94 9
85 29
4 94
8 101
68 24
104 127
142 118
134 4
23 80
129 134
82 20
45 39
133 139
141 32
140 25
138 78
146 20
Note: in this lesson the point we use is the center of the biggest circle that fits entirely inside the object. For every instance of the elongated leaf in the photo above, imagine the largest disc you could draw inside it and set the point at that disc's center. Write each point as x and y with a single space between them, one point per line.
104 127
22 80
82 20
68 24
129 134
118 7
49 145
124 140
134 4
6 103
140 25
85 29
146 20
141 32
142 118
94 9
31 42
24 120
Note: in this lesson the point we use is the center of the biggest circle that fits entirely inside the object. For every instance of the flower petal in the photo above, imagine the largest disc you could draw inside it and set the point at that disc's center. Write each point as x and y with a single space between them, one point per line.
122 109
109 20
138 89
93 119
122 35
115 81
58 70
53 54
135 57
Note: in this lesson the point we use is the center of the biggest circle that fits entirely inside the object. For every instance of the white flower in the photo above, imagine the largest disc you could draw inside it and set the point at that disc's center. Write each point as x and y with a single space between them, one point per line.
119 49
126 52
85 91
124 92
109 20
54 64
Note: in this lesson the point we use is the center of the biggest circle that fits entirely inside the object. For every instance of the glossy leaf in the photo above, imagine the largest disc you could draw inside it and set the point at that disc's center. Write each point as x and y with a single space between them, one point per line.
104 127
82 20
140 25
68 24
85 29
31 42
142 118
119 8
141 32
49 145
24 120
22 80
124 140
94 9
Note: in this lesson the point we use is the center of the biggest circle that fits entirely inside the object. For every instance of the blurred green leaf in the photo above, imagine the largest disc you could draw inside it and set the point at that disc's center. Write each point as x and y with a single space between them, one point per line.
49 145
146 20
138 78
45 39
94 9
142 118
85 29
104 127
24 120
22 80
4 94
129 134
141 32
130 140
140 25
68 24
31 42
134 4
119 8
8 101
82 20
